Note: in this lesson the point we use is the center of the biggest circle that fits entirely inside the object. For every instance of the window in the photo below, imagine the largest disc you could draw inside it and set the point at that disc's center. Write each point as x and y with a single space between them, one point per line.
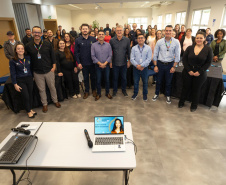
159 23
223 24
180 18
200 20
139 21
168 19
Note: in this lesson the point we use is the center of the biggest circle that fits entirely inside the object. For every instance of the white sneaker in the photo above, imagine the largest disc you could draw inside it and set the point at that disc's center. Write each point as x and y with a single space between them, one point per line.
155 97
168 100
75 96
79 95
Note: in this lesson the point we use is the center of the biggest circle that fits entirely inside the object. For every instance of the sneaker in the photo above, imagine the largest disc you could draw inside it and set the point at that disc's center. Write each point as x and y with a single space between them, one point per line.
75 96
145 98
168 100
79 95
153 83
114 94
134 97
155 97
125 93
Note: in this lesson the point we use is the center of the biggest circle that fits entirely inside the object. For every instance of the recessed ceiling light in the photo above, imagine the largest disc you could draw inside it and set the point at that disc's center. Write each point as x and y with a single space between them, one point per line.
75 6
144 4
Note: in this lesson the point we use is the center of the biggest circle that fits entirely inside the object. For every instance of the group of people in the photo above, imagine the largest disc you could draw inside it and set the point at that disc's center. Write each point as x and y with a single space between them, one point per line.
128 52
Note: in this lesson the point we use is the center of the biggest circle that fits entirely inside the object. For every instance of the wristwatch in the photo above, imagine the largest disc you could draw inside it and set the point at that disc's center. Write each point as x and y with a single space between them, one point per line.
155 65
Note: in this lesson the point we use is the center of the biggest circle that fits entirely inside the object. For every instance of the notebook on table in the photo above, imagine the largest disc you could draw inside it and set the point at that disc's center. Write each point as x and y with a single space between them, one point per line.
109 134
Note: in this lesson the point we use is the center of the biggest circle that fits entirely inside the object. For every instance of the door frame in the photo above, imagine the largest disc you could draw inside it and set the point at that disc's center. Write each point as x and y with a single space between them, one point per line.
14 24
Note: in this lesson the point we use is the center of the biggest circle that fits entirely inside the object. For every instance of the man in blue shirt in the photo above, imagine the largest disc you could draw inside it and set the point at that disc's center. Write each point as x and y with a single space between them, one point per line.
166 57
101 53
83 57
140 58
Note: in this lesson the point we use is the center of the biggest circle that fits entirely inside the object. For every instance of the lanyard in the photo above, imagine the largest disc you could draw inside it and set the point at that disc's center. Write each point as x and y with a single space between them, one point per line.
39 46
169 44
22 63
141 50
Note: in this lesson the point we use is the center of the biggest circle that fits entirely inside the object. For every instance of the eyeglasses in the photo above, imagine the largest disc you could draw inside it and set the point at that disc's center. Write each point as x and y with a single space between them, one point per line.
37 33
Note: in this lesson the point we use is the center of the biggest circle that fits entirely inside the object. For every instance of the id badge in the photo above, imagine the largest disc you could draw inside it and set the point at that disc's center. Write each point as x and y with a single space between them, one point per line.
141 61
25 70
39 56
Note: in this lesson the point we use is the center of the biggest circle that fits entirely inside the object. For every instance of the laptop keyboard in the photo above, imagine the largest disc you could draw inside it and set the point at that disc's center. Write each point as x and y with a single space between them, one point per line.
16 147
109 140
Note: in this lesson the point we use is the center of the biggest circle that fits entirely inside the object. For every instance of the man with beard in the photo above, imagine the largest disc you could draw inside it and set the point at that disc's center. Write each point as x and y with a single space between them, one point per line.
83 57
43 64
51 39
27 38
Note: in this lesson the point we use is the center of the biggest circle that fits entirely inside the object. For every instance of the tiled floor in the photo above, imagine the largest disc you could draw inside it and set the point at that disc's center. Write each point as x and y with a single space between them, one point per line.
175 146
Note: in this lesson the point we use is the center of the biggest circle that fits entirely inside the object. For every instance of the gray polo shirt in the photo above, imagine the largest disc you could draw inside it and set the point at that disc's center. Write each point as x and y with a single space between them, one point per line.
121 50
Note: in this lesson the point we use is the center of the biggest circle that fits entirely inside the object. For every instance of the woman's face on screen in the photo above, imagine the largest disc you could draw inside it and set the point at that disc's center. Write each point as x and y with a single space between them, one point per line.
118 124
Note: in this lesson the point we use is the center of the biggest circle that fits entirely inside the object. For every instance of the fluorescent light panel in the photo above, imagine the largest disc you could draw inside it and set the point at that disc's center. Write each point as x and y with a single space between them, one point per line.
75 6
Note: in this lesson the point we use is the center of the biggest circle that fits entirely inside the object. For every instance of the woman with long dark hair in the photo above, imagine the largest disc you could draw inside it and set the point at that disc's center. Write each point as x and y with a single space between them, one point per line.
118 127
66 67
22 79
196 59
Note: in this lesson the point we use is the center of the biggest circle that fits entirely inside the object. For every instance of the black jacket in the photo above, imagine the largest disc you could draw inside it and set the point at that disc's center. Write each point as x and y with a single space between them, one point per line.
182 42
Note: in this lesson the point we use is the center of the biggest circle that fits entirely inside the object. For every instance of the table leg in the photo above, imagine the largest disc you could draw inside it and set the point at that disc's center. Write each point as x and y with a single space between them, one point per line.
126 177
14 177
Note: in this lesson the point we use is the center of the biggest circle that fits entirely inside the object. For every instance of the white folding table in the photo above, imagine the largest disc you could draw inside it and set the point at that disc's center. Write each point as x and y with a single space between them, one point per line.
62 146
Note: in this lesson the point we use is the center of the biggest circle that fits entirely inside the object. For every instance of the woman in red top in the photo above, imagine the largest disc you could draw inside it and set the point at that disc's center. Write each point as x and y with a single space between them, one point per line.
182 33
107 37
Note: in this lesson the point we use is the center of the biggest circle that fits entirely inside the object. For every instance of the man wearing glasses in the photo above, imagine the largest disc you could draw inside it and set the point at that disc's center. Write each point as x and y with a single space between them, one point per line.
43 66
120 60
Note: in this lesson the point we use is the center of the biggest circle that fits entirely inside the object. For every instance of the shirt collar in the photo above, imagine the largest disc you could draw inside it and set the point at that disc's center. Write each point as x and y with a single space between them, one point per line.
100 43
121 39
12 43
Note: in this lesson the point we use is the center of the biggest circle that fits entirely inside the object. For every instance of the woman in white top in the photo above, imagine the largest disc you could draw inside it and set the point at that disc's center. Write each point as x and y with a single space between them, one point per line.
151 37
186 40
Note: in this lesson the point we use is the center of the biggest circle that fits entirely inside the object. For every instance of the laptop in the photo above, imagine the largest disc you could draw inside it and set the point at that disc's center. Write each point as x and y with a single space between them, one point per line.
109 134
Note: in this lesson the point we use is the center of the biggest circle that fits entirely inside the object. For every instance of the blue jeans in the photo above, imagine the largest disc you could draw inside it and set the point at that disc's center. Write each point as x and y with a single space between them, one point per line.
106 72
86 71
122 71
164 71
144 76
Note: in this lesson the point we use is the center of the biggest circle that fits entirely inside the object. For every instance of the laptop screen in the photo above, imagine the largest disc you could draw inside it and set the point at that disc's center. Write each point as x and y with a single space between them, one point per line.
109 125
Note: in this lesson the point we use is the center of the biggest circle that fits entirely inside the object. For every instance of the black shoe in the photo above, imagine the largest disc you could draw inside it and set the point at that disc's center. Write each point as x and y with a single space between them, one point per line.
124 93
193 108
180 104
114 94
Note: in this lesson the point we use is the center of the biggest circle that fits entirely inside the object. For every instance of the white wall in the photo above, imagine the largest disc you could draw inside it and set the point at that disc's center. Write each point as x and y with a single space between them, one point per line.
32 15
110 16
64 18
48 10
6 9
170 9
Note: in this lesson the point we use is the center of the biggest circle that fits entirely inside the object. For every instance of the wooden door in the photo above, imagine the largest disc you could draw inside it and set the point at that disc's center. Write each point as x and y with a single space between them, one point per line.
6 24
51 24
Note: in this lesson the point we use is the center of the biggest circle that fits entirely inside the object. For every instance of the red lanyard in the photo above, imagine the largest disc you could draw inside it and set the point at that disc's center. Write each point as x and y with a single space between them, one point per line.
22 63
39 46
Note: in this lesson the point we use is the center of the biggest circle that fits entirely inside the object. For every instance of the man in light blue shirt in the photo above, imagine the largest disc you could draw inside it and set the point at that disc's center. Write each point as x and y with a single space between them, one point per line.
166 57
140 58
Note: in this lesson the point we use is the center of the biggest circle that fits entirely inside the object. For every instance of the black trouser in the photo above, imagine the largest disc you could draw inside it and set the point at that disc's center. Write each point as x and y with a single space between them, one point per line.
89 71
71 81
192 84
130 76
26 83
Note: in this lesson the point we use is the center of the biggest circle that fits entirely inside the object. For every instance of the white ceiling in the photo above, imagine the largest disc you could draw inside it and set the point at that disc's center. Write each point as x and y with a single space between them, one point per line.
64 2
141 4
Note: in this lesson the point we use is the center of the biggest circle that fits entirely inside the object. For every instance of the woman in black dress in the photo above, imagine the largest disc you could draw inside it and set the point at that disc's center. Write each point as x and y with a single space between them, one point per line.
196 59
22 79
66 67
